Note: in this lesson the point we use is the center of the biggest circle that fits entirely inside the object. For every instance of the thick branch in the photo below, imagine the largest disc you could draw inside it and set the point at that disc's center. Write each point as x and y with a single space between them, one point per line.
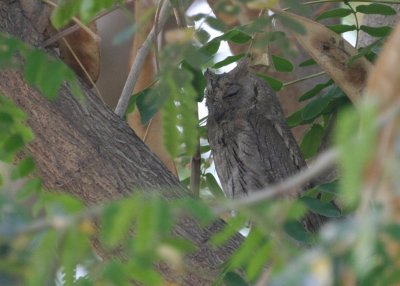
89 152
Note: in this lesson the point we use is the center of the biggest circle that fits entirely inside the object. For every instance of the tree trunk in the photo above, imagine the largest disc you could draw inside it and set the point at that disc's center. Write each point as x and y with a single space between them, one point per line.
89 152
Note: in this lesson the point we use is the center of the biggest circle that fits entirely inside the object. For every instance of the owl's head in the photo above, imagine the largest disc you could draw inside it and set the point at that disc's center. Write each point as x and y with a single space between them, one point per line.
227 92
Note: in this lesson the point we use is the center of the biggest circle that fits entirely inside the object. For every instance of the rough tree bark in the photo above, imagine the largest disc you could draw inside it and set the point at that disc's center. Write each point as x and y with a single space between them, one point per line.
89 152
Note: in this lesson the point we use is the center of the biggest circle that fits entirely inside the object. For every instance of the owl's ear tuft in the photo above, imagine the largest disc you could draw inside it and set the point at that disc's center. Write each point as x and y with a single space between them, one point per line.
241 69
209 75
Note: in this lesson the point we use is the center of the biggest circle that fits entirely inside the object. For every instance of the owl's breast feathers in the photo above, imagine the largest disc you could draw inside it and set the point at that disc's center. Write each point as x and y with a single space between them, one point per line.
252 145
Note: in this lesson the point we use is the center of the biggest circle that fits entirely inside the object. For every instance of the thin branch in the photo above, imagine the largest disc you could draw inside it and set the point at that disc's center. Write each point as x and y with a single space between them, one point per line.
354 12
139 61
58 222
304 78
84 69
341 1
287 187
157 59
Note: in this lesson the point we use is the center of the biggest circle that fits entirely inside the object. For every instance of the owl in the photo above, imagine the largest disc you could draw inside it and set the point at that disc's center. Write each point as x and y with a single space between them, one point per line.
251 143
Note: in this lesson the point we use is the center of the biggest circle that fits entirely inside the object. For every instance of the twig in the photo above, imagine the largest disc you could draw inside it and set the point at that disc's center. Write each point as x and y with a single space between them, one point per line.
84 69
304 78
139 61
289 186
58 222
157 60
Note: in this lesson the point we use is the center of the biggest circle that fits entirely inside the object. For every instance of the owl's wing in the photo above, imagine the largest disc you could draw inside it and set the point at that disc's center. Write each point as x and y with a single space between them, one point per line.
279 154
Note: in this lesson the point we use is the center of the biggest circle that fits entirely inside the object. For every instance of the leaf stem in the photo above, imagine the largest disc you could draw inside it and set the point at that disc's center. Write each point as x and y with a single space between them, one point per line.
304 78
356 21
339 1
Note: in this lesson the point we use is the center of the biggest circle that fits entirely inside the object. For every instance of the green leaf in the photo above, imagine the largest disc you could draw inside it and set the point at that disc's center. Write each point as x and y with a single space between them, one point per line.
64 12
329 188
376 8
116 273
46 75
306 63
259 260
341 28
291 24
198 81
315 107
13 143
315 90
188 119
143 273
215 23
10 46
319 207
6 124
236 36
24 168
213 186
54 76
197 58
274 83
246 250
393 230
171 133
376 31
43 259
116 220
319 105
31 187
153 221
353 126
296 230
311 141
234 279
35 66
86 10
227 61
198 209
180 244
149 101
132 104
334 13
296 119
226 7
202 35
79 242
230 229
282 64
210 48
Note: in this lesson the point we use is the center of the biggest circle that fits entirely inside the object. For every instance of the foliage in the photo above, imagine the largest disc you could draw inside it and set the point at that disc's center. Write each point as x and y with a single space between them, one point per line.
50 240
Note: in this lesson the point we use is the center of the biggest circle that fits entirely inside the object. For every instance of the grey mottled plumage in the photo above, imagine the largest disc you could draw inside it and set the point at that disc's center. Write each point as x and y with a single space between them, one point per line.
250 140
